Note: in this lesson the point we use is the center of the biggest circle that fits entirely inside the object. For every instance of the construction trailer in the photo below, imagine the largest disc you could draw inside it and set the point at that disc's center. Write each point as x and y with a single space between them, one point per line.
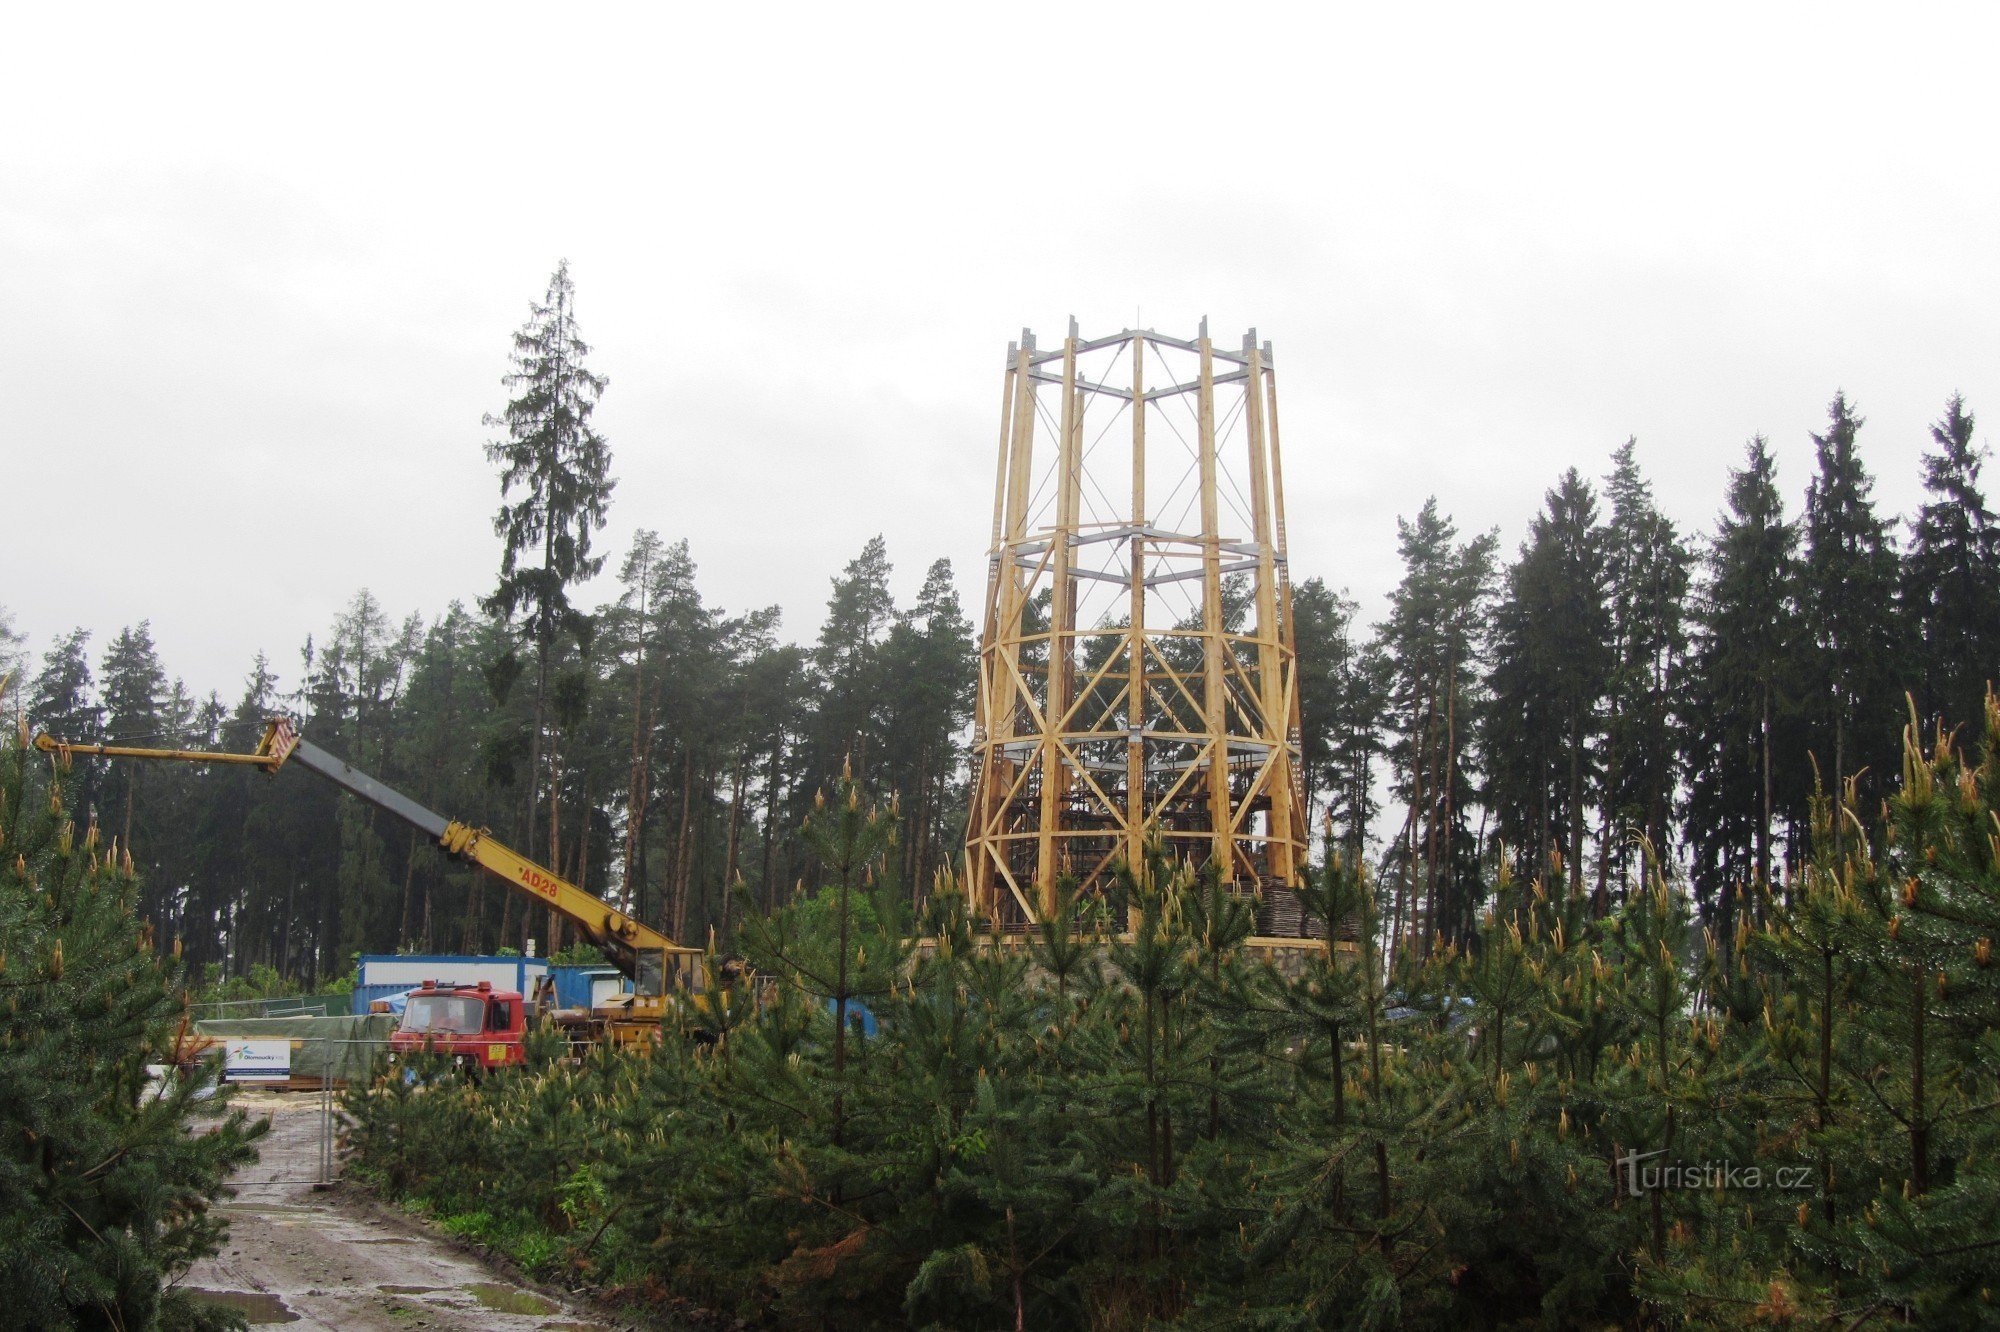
381 976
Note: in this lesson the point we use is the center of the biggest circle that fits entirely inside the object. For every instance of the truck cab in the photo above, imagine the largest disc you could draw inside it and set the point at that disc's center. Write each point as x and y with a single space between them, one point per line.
476 1025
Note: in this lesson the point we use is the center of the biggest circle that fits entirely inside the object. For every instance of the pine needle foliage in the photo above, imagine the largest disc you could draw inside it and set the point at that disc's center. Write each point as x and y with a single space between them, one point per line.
1587 1114
105 1194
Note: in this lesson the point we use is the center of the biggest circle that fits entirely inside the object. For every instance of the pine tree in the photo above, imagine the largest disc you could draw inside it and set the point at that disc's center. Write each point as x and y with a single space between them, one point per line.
682 652
1342 699
1432 641
847 669
928 672
104 1193
841 947
561 467
1951 576
775 688
1921 1067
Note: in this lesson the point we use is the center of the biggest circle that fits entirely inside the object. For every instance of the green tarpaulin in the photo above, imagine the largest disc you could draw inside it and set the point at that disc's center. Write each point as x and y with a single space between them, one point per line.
341 1048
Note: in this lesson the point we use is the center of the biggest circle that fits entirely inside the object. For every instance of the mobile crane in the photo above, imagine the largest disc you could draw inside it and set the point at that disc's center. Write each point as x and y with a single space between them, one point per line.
654 962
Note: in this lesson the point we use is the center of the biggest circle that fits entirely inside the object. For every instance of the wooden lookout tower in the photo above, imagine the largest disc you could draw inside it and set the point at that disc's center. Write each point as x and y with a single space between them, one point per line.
1137 670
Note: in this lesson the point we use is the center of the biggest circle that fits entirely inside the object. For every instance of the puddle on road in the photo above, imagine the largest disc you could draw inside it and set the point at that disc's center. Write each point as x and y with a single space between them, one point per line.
411 1290
255 1307
505 1299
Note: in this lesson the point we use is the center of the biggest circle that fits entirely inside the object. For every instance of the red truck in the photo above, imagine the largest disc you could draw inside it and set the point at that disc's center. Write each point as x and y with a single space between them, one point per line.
477 1025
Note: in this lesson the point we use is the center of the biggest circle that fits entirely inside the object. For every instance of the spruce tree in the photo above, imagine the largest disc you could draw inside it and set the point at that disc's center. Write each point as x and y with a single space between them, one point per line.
1552 662
1648 568
1848 583
1744 750
1951 576
135 699
555 489
62 702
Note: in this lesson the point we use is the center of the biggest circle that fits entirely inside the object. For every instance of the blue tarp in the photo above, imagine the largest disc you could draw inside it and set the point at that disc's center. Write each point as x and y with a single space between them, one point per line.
856 1012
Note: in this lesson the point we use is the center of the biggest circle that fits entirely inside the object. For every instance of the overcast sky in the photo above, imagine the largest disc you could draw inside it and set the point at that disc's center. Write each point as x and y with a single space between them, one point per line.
259 268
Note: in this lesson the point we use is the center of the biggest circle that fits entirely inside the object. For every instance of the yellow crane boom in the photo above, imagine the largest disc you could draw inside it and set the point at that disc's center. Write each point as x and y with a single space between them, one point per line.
650 958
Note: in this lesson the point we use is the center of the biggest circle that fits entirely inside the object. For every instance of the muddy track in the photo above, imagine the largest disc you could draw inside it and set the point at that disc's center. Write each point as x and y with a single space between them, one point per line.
316 1258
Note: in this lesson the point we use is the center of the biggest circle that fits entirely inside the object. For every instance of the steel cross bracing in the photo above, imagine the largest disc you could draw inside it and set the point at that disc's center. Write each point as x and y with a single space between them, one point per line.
1137 672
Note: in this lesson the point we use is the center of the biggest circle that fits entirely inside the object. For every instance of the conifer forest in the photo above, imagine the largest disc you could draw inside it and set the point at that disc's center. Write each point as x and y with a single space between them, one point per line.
1668 854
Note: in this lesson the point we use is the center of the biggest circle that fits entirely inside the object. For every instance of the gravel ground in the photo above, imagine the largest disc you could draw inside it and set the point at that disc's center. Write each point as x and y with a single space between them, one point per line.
329 1259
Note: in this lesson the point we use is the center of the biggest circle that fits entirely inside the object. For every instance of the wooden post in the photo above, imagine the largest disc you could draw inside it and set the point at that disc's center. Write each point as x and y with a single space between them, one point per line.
1062 632
1135 635
1271 675
1213 643
979 867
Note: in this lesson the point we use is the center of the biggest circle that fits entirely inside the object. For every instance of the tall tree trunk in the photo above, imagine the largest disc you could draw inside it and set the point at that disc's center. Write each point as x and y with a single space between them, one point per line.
1546 850
682 845
582 879
409 880
1764 760
772 783
1607 831
1454 909
918 822
533 792
1407 838
1839 776
1576 802
735 839
285 962
554 940
1423 911
699 846
475 910
645 722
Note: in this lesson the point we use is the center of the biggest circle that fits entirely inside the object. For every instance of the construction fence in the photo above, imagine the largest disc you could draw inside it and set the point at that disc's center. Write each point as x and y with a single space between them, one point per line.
299 1053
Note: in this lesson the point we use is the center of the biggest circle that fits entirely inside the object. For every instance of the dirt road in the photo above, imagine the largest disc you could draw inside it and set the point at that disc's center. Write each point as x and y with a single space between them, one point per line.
327 1260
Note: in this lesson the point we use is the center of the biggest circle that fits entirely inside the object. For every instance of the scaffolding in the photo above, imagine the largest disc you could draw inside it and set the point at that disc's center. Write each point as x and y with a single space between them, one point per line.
1137 671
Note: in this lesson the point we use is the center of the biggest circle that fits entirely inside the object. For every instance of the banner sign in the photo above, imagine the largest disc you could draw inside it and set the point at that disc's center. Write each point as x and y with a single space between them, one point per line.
258 1061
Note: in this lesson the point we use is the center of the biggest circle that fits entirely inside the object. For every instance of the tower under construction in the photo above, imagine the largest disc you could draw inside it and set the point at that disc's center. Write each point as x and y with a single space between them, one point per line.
1137 673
